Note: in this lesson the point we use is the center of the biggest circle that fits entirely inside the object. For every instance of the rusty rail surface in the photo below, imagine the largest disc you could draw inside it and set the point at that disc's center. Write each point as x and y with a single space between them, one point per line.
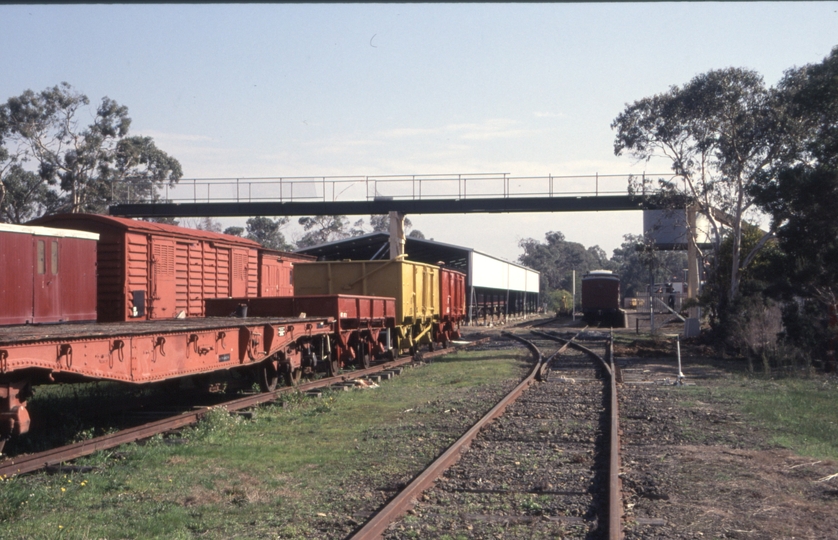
405 500
33 462
615 499
615 491
577 346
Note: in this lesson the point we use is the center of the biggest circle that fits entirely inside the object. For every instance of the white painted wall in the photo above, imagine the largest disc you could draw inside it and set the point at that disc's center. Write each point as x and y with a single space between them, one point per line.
497 274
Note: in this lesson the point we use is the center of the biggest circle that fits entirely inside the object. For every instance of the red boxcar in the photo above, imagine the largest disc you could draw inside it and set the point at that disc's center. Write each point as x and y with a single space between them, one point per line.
276 271
452 297
46 275
157 271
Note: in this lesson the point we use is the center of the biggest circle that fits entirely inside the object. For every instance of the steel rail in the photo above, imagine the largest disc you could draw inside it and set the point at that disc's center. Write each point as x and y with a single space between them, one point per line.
406 499
33 462
615 491
577 346
615 500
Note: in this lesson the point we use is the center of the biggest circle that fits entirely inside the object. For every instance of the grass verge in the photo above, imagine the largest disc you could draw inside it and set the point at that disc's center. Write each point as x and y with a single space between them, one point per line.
800 412
797 413
303 468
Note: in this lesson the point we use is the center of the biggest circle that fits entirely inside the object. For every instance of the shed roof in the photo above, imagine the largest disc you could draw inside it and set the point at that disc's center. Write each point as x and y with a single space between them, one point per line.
376 245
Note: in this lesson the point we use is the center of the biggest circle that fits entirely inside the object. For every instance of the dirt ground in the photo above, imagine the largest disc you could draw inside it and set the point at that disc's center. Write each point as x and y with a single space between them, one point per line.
692 467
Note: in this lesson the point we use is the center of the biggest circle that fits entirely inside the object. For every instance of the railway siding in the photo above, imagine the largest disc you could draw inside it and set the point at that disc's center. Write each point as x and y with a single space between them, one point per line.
534 472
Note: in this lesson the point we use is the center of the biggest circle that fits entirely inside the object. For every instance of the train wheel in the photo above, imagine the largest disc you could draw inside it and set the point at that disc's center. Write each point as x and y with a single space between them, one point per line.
267 376
292 376
363 356
332 368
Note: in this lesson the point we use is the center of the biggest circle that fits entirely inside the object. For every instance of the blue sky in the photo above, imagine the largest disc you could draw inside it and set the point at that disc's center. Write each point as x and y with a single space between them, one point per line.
332 89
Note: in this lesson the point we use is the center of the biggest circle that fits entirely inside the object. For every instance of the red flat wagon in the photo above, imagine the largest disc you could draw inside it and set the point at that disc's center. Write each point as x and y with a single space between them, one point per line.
47 275
364 325
148 351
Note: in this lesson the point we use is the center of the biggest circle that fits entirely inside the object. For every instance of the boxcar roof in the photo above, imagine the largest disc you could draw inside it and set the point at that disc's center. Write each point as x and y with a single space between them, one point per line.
145 226
47 231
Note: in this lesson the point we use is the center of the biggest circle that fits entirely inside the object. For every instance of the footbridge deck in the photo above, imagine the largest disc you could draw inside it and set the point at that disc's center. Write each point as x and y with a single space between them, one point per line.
411 194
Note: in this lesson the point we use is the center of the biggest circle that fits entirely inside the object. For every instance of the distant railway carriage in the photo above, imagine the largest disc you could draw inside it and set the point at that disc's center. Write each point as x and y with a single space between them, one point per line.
601 298
276 272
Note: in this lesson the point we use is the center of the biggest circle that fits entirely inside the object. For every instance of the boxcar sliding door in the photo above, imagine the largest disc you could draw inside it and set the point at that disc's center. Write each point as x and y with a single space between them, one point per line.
163 293
238 273
46 303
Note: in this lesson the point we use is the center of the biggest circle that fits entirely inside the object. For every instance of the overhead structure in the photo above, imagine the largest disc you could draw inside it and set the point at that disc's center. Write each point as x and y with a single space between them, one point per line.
396 235
669 228
496 289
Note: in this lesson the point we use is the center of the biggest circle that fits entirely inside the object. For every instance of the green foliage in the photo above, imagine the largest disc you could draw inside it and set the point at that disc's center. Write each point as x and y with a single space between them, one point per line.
234 231
268 232
801 198
560 302
80 168
202 224
557 258
810 94
799 411
25 196
636 261
722 132
381 223
289 471
324 229
218 425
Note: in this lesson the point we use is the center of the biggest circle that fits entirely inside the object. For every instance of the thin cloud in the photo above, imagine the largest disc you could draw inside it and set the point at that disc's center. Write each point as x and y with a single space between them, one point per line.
544 114
493 128
179 137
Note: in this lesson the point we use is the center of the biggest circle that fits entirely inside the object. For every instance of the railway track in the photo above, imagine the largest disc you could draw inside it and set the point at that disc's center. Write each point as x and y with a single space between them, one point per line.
55 457
544 462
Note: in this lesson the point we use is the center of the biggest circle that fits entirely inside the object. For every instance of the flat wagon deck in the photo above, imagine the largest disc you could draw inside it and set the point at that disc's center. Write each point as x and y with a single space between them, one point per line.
148 351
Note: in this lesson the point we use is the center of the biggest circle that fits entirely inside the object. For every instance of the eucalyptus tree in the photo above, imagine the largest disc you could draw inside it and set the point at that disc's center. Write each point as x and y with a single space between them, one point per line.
722 133
637 257
803 196
268 232
556 258
324 229
91 165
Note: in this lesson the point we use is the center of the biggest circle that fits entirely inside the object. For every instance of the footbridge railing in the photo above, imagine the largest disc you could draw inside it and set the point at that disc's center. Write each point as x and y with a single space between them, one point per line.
415 187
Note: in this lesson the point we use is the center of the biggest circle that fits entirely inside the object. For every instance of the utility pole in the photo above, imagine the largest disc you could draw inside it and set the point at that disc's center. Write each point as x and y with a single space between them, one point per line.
573 287
652 289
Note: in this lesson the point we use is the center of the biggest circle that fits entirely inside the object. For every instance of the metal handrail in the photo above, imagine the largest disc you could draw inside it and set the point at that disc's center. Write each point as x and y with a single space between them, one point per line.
397 187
